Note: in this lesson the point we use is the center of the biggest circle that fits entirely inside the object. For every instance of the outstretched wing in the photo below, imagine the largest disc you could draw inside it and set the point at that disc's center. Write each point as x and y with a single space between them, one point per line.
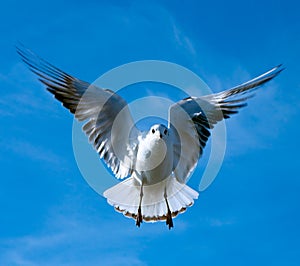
109 127
192 118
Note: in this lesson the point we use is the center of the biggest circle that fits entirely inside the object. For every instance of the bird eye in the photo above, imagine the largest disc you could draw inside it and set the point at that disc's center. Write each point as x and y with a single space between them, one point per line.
165 132
153 131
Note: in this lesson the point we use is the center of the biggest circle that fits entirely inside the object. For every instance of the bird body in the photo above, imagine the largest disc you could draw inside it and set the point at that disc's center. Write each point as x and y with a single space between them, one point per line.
160 195
154 156
156 163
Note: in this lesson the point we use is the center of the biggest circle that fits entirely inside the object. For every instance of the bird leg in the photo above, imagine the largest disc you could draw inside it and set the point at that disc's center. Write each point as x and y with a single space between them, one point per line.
139 217
169 220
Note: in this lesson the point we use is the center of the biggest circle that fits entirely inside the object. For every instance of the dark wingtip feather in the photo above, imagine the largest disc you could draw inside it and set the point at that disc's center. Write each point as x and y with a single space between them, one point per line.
275 71
280 68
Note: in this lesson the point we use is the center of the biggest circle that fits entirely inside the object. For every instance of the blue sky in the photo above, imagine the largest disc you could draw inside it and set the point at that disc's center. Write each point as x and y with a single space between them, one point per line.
248 216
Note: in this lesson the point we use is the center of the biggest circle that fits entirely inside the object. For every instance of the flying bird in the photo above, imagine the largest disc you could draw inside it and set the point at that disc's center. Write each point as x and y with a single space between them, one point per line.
155 164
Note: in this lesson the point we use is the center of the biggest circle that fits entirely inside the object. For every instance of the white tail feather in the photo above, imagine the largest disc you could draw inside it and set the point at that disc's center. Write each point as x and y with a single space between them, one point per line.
125 197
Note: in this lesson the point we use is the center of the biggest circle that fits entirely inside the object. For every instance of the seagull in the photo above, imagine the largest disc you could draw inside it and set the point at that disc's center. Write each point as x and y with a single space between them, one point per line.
154 164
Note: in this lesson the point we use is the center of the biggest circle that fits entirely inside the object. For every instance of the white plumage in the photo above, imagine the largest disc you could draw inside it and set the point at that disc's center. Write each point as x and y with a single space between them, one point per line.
157 163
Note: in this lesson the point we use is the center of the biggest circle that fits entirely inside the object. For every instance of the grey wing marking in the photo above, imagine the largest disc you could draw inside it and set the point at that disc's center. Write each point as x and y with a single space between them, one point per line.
203 113
109 125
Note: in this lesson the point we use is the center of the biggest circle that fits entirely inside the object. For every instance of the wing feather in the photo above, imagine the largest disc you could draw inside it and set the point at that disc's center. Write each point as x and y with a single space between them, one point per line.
109 127
204 112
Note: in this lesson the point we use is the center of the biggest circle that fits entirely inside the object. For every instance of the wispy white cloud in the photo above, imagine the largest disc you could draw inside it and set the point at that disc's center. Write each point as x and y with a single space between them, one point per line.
261 122
25 103
75 234
68 238
182 40
22 94
221 221
32 151
218 222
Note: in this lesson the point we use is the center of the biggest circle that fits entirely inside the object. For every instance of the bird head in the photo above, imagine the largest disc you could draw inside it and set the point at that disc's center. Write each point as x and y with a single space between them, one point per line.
159 131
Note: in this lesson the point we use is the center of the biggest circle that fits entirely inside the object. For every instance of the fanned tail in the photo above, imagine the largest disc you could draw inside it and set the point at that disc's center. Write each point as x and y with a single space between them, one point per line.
125 196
